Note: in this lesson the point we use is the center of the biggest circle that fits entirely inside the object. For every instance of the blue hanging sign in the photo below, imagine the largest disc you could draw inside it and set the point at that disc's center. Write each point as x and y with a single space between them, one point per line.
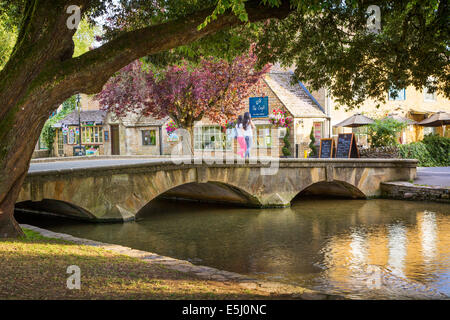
259 107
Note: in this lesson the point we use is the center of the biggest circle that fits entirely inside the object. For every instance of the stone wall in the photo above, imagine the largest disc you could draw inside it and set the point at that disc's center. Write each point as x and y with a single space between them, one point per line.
409 191
381 152
40 154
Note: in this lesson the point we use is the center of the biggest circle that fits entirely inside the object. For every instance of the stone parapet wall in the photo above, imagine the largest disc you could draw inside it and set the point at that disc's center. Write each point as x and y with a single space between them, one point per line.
40 154
380 153
408 191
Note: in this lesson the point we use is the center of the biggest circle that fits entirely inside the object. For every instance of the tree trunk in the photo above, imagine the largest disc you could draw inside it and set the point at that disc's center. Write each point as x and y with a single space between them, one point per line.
41 74
19 137
190 129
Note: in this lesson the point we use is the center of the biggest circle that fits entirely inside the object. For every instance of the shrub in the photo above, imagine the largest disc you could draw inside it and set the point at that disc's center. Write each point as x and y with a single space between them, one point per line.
432 151
48 132
439 148
312 145
383 133
417 150
287 145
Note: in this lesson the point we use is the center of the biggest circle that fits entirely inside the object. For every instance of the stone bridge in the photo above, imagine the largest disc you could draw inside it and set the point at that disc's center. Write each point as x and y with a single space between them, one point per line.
117 192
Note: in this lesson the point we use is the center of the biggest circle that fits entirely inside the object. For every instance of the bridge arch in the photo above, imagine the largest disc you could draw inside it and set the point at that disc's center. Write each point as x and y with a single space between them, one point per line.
335 188
208 192
55 207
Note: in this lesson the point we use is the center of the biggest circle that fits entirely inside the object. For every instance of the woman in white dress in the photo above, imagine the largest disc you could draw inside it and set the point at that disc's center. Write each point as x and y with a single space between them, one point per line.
247 131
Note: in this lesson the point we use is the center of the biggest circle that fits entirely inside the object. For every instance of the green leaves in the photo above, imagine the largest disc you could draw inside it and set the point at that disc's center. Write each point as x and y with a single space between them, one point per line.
8 35
48 132
84 37
432 151
236 6
383 133
330 46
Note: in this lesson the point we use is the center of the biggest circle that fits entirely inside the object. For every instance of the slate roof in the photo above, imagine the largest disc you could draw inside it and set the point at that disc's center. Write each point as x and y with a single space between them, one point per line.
133 120
293 96
85 116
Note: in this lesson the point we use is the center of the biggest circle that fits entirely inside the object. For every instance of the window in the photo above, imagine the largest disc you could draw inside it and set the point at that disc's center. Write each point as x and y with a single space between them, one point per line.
318 130
148 137
264 136
429 130
361 135
73 137
90 135
397 95
210 138
41 143
428 96
60 143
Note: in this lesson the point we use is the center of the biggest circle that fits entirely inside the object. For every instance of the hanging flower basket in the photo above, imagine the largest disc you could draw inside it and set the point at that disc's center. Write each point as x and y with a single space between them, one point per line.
279 119
171 127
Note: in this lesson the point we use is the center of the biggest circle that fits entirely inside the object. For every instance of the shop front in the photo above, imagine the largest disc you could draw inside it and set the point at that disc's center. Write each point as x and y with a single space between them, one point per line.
93 134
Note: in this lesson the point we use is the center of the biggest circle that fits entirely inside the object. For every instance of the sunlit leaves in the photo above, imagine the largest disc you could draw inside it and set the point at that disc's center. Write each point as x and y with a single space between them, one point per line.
333 48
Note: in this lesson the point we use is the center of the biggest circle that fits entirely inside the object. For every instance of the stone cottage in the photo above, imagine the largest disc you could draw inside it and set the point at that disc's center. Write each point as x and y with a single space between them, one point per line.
279 92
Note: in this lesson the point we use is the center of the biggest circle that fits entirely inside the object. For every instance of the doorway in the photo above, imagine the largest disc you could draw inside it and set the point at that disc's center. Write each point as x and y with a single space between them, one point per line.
115 140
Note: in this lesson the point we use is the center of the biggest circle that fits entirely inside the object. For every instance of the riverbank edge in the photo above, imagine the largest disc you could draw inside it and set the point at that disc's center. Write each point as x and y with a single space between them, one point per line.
401 190
203 272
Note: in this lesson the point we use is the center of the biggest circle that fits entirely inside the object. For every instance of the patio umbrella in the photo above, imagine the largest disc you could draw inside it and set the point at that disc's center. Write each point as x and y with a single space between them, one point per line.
400 119
357 120
436 120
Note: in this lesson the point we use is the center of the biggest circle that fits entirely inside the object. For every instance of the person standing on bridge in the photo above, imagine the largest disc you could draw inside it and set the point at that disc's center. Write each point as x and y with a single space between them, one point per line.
247 129
240 137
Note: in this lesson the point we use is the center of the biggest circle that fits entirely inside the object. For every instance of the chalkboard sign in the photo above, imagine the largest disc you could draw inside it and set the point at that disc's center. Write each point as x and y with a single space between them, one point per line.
79 151
259 107
326 148
346 146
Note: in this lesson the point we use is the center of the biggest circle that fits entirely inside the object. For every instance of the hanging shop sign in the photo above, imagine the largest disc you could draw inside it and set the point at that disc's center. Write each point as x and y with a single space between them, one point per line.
259 107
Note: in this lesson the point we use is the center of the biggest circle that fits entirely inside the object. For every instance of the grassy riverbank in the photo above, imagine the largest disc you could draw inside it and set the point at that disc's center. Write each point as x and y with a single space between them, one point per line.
35 268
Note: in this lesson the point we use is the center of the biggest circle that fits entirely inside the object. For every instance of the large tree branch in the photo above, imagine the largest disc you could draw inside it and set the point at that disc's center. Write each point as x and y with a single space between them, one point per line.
90 71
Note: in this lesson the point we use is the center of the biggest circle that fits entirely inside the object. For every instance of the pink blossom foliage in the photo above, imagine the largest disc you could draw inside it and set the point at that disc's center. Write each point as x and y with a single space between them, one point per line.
215 88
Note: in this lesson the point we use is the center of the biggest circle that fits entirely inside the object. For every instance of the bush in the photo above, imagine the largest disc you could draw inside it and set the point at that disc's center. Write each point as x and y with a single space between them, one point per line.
432 151
439 148
312 145
48 132
287 145
383 133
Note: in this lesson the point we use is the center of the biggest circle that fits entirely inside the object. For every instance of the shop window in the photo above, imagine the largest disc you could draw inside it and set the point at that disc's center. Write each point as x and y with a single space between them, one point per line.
73 137
148 137
210 138
60 143
318 131
361 134
264 136
429 130
91 135
397 95
335 131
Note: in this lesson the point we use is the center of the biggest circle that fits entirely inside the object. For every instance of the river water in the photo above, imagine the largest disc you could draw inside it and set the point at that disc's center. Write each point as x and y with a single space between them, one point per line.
363 249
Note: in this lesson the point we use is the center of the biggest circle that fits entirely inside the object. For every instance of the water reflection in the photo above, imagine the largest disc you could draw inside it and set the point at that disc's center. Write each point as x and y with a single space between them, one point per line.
365 249
397 248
